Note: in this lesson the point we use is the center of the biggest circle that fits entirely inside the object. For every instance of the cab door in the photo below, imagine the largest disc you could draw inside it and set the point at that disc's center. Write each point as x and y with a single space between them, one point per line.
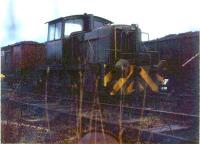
54 44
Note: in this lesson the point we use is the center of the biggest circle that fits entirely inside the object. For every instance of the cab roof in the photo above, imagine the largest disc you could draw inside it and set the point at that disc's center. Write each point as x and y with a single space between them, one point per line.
80 16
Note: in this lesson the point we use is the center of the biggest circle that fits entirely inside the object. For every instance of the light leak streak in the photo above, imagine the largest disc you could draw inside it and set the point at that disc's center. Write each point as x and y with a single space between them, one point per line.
190 60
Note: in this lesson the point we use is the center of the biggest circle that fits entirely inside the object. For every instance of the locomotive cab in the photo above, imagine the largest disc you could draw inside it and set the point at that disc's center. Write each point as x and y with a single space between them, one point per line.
61 29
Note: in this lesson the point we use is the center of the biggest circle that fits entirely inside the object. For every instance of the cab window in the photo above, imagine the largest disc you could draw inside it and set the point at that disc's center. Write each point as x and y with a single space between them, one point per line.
73 26
55 31
58 30
51 32
98 24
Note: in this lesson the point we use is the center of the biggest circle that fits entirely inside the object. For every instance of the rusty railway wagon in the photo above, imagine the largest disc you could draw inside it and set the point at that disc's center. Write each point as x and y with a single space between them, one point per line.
20 59
21 56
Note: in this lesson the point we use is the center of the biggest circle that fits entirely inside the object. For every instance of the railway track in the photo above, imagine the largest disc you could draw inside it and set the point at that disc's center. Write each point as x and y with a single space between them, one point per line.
27 95
70 110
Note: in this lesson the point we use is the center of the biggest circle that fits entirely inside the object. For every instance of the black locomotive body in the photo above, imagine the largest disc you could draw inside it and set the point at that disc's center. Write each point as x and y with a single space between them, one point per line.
93 39
96 47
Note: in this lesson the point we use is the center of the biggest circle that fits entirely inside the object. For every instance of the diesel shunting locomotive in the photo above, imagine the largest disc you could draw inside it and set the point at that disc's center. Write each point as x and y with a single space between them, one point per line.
95 46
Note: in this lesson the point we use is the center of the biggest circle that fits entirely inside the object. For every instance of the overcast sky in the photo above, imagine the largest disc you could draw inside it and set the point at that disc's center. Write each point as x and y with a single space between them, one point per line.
25 19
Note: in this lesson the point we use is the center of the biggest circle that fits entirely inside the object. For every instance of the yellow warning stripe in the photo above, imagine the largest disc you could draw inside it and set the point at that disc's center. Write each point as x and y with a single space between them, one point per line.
130 88
144 74
117 86
107 79
141 88
160 78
